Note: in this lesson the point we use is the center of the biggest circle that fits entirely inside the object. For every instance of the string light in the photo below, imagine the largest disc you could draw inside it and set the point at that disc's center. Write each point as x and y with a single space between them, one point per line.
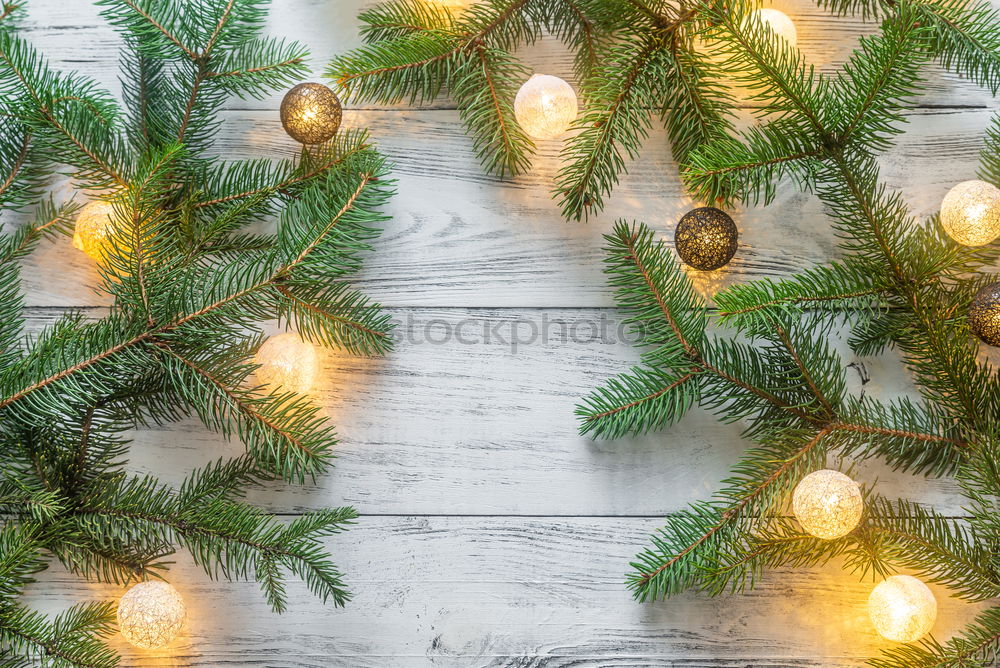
706 238
902 608
984 314
970 213
311 113
94 227
150 614
828 504
287 362
779 23
545 106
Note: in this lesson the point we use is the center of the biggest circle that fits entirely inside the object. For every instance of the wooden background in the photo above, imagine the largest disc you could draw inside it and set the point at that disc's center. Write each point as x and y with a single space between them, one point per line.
491 534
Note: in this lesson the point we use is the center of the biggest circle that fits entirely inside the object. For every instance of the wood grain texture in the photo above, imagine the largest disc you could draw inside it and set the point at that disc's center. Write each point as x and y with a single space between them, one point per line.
491 533
525 592
74 36
480 241
474 416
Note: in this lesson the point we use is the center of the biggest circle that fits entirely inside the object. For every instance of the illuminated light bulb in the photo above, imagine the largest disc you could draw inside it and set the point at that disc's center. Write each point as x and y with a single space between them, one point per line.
706 238
94 227
779 23
970 213
150 614
287 362
902 608
827 504
311 113
545 106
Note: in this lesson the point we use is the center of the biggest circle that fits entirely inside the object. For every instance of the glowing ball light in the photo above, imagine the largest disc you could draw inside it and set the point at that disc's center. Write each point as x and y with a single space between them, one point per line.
902 608
828 504
311 113
779 23
545 106
287 362
970 213
706 238
150 614
94 226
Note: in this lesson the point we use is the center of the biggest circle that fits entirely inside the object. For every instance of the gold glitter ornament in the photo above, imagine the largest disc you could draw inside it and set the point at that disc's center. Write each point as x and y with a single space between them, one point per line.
545 106
902 608
287 363
828 504
150 614
779 23
310 113
984 314
706 238
94 227
970 213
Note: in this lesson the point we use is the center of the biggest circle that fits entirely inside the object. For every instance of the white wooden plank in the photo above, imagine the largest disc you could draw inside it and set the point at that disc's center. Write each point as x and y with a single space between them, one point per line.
478 429
480 241
461 421
74 37
489 592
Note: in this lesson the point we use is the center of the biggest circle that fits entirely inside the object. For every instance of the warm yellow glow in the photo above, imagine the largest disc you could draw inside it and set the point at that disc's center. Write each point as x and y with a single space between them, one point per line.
545 106
779 23
902 608
454 6
311 113
150 614
94 227
970 213
287 362
827 504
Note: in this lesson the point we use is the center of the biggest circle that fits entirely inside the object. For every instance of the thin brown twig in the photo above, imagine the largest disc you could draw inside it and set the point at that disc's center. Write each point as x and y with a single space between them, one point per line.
353 324
733 511
649 397
151 334
239 402
22 156
190 54
810 381
218 30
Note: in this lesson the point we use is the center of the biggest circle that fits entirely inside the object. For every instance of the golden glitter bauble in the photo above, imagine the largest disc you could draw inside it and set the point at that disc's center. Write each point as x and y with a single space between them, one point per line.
970 213
545 106
310 113
150 614
828 504
902 608
94 227
984 314
779 23
287 362
706 238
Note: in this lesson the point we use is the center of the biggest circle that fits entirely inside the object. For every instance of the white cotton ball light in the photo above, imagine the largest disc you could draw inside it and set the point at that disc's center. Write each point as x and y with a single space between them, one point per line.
779 23
94 227
902 608
828 504
545 106
287 363
970 213
150 614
